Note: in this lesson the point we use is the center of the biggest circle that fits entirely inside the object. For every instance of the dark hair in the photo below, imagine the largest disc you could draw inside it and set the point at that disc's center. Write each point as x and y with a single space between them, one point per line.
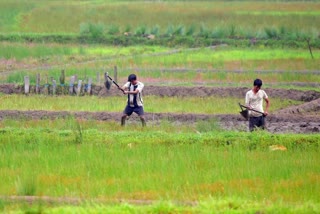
132 77
257 82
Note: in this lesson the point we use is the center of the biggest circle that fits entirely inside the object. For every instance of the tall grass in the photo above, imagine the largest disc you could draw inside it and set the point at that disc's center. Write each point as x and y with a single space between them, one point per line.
152 163
58 17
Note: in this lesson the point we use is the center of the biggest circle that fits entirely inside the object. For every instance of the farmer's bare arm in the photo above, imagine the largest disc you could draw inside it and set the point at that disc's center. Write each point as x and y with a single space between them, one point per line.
247 103
124 87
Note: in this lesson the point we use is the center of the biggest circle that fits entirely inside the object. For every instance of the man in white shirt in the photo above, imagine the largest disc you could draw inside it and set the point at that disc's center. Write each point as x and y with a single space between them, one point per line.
254 101
135 102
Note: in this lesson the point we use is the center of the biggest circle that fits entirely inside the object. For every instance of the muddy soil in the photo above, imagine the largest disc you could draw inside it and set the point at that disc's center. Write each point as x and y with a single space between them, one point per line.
304 118
276 123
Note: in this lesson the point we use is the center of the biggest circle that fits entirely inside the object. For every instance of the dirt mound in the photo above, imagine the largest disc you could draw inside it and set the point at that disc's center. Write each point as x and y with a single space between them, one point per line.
312 107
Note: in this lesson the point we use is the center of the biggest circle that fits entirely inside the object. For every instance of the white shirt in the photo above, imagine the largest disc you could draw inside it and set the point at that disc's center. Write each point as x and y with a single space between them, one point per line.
255 101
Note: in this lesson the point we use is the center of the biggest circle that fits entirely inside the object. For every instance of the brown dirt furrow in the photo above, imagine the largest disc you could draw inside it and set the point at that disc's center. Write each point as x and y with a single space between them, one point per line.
201 91
78 200
277 123
169 91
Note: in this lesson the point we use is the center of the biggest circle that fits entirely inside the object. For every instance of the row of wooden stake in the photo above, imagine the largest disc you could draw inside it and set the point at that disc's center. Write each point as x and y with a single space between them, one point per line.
75 86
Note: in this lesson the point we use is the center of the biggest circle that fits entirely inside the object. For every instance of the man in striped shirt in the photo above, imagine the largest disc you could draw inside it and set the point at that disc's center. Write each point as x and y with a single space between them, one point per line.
133 88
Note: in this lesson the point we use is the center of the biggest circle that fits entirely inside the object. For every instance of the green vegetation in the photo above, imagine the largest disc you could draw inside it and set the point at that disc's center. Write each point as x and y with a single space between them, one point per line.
173 168
32 16
175 164
46 37
154 104
167 57
200 24
159 65
25 51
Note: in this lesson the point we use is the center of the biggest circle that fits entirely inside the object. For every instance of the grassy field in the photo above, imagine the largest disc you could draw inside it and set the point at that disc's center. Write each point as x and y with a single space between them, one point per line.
103 162
154 104
162 168
221 57
239 16
270 20
159 65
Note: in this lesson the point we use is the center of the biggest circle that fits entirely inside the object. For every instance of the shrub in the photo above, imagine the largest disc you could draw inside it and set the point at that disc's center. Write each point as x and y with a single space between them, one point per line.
190 31
141 30
93 30
113 30
170 31
127 29
218 32
155 30
179 31
271 33
204 31
26 186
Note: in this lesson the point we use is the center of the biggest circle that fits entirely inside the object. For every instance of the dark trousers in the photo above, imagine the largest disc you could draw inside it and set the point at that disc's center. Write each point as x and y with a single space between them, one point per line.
256 122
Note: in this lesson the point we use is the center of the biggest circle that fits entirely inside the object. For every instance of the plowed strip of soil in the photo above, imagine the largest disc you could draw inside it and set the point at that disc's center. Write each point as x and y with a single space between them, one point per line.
170 91
277 123
304 118
78 201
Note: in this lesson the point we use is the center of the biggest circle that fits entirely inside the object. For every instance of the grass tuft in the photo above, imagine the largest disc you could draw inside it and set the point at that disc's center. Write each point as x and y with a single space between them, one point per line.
26 186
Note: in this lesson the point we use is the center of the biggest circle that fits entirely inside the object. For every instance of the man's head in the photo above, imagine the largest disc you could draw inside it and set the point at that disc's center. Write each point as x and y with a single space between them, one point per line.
257 83
132 78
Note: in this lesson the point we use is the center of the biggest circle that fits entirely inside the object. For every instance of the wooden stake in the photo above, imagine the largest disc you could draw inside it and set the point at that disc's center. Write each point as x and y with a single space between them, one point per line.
46 86
54 87
38 84
89 86
62 78
26 84
71 85
79 87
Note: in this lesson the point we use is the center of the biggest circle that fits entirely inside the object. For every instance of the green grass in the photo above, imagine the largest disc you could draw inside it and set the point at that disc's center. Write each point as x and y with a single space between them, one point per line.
153 104
175 163
168 57
23 51
10 12
52 16
158 65
102 162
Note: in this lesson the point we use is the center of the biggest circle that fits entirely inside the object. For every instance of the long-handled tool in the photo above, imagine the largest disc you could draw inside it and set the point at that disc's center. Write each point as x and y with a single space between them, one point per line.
245 111
108 85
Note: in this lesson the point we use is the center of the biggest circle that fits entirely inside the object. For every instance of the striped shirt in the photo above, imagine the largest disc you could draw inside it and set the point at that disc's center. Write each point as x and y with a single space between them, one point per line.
135 99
